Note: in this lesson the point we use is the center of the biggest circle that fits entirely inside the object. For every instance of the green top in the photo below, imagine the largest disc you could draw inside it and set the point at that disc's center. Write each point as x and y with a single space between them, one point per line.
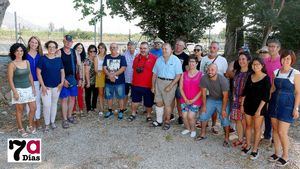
21 77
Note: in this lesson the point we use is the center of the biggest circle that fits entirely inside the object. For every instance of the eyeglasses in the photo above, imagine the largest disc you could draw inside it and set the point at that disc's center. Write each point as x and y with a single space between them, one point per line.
212 47
92 51
263 52
197 50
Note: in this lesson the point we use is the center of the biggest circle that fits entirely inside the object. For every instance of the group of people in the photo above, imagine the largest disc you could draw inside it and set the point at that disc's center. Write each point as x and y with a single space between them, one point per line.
247 92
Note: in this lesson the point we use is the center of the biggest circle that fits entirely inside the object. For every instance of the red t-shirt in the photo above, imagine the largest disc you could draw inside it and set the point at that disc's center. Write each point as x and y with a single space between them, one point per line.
143 79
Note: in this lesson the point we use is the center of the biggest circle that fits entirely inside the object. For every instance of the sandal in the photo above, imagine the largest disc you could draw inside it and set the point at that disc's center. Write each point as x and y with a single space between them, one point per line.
166 126
65 124
155 124
148 119
200 138
226 144
131 118
22 133
46 129
237 143
31 130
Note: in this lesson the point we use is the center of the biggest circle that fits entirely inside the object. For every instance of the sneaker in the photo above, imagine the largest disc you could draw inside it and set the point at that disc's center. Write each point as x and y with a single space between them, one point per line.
120 115
245 151
273 158
100 114
281 162
193 134
180 120
53 126
184 132
108 114
172 118
254 155
65 124
72 120
214 130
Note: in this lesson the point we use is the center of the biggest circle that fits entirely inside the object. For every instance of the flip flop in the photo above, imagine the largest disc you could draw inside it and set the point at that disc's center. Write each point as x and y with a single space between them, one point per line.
200 138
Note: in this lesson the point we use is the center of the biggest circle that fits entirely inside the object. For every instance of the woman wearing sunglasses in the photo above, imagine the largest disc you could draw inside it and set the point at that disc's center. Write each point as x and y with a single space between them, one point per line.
90 77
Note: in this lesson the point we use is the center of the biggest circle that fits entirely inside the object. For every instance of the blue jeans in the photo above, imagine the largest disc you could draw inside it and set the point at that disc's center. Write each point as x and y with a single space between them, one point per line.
114 91
213 106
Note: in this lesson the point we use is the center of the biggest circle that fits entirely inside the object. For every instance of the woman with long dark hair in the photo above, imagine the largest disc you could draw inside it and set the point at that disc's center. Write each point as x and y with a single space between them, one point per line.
79 48
22 87
240 77
254 103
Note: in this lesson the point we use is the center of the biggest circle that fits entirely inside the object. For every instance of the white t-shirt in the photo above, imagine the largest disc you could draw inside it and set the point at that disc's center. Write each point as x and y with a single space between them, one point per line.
100 64
285 75
221 62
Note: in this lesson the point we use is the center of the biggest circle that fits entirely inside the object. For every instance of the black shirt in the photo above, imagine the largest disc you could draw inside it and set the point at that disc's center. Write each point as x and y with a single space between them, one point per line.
66 60
254 93
183 57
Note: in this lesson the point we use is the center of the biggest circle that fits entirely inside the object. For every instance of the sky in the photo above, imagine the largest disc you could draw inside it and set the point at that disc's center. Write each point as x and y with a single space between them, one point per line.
62 14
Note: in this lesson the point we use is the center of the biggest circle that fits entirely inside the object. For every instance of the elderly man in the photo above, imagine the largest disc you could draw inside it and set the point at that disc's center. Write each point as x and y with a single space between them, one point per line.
183 57
142 81
70 60
216 101
129 54
222 64
166 74
156 50
114 66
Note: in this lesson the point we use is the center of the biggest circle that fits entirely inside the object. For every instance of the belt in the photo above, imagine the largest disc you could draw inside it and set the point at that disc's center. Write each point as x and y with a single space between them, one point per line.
165 79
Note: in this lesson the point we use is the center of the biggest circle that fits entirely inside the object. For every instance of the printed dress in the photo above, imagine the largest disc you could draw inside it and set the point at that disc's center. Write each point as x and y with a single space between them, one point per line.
239 82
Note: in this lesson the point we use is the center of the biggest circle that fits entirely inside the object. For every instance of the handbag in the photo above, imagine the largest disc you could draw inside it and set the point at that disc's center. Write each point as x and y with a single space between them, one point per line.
71 78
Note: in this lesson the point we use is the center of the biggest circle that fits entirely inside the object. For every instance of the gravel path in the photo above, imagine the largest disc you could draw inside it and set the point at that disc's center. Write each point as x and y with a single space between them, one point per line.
109 143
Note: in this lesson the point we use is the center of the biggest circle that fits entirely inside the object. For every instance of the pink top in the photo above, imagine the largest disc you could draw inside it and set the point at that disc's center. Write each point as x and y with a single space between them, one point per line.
191 87
271 66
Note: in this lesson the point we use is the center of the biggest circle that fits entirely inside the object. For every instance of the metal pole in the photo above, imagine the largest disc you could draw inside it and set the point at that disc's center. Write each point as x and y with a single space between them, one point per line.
95 34
16 27
101 24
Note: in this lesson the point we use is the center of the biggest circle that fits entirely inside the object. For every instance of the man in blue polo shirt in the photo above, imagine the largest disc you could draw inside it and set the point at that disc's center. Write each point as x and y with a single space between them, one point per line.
166 74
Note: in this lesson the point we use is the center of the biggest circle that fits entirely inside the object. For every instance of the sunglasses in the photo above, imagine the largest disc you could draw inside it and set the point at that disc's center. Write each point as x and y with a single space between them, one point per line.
92 51
197 50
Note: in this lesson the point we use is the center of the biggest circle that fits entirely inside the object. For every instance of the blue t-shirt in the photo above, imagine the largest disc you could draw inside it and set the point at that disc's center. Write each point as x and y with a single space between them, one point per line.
157 53
33 64
50 70
113 64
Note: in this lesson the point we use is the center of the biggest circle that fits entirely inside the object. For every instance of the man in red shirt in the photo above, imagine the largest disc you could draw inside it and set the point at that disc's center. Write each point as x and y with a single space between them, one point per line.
142 81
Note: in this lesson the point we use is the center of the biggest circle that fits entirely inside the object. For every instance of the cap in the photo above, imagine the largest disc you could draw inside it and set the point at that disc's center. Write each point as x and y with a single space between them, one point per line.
69 38
263 50
158 40
131 43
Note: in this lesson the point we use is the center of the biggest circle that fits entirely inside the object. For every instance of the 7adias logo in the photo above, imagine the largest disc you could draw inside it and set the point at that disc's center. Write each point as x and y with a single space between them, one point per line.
24 150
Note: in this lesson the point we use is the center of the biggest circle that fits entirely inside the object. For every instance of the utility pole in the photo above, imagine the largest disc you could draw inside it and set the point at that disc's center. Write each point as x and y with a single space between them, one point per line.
16 27
101 26
95 33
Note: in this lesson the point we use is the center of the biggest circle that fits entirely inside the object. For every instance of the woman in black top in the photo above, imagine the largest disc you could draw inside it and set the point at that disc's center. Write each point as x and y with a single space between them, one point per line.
255 96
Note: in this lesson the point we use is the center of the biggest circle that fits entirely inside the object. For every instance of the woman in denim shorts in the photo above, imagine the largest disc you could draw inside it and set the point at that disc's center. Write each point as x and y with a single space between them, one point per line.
283 107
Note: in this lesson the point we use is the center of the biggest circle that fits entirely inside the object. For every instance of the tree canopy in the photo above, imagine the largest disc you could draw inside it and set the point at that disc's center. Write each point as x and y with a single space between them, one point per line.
167 19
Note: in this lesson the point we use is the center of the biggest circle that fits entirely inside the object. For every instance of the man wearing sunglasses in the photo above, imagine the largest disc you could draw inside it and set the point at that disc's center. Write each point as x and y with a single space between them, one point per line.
157 50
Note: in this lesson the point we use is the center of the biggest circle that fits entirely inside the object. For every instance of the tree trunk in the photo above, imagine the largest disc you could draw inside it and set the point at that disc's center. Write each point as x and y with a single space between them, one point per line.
3 6
234 38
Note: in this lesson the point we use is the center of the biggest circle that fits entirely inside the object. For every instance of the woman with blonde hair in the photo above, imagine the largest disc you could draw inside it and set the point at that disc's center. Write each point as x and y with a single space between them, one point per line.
100 75
34 53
